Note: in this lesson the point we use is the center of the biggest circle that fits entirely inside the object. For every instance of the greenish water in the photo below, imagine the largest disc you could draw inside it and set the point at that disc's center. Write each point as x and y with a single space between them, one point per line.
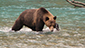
71 21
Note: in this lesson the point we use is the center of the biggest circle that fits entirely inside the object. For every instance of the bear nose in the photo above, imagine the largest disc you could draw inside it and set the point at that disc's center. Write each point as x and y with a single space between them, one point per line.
51 30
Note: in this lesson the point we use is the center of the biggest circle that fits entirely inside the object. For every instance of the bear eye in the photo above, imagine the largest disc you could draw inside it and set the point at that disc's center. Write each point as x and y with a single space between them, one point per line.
47 18
54 18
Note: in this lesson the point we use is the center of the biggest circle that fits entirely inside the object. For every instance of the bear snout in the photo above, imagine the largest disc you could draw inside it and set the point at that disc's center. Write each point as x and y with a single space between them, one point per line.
51 28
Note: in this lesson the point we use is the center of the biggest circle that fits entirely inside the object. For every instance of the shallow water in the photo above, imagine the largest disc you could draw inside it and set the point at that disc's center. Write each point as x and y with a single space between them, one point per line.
71 21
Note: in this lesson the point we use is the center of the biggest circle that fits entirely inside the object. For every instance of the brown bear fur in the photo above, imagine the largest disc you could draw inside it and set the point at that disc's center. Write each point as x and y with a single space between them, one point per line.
35 19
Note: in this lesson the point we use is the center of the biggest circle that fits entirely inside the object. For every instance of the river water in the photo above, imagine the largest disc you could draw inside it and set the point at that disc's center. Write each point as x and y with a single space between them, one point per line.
71 21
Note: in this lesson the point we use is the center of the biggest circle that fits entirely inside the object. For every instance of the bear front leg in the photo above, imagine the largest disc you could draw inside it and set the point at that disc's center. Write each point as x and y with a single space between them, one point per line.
38 29
17 25
39 26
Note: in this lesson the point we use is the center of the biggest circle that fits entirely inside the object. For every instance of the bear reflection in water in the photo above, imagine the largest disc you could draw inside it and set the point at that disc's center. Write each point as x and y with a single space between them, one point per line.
35 19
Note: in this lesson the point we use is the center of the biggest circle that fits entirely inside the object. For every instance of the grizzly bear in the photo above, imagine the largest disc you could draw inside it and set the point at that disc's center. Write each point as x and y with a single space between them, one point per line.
35 19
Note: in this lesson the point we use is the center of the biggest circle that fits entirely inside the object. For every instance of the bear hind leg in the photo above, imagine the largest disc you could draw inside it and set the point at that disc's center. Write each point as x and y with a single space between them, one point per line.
17 25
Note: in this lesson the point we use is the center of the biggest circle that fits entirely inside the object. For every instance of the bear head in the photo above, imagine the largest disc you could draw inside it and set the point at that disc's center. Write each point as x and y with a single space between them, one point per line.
48 18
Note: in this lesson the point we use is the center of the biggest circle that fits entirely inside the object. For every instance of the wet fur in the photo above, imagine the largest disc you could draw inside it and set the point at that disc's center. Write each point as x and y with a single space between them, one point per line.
33 18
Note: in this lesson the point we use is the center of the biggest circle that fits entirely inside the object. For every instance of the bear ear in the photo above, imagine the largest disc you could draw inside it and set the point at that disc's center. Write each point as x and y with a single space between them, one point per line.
46 19
43 10
55 18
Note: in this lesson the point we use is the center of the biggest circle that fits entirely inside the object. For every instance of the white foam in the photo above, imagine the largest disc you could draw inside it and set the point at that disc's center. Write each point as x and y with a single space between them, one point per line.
7 29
